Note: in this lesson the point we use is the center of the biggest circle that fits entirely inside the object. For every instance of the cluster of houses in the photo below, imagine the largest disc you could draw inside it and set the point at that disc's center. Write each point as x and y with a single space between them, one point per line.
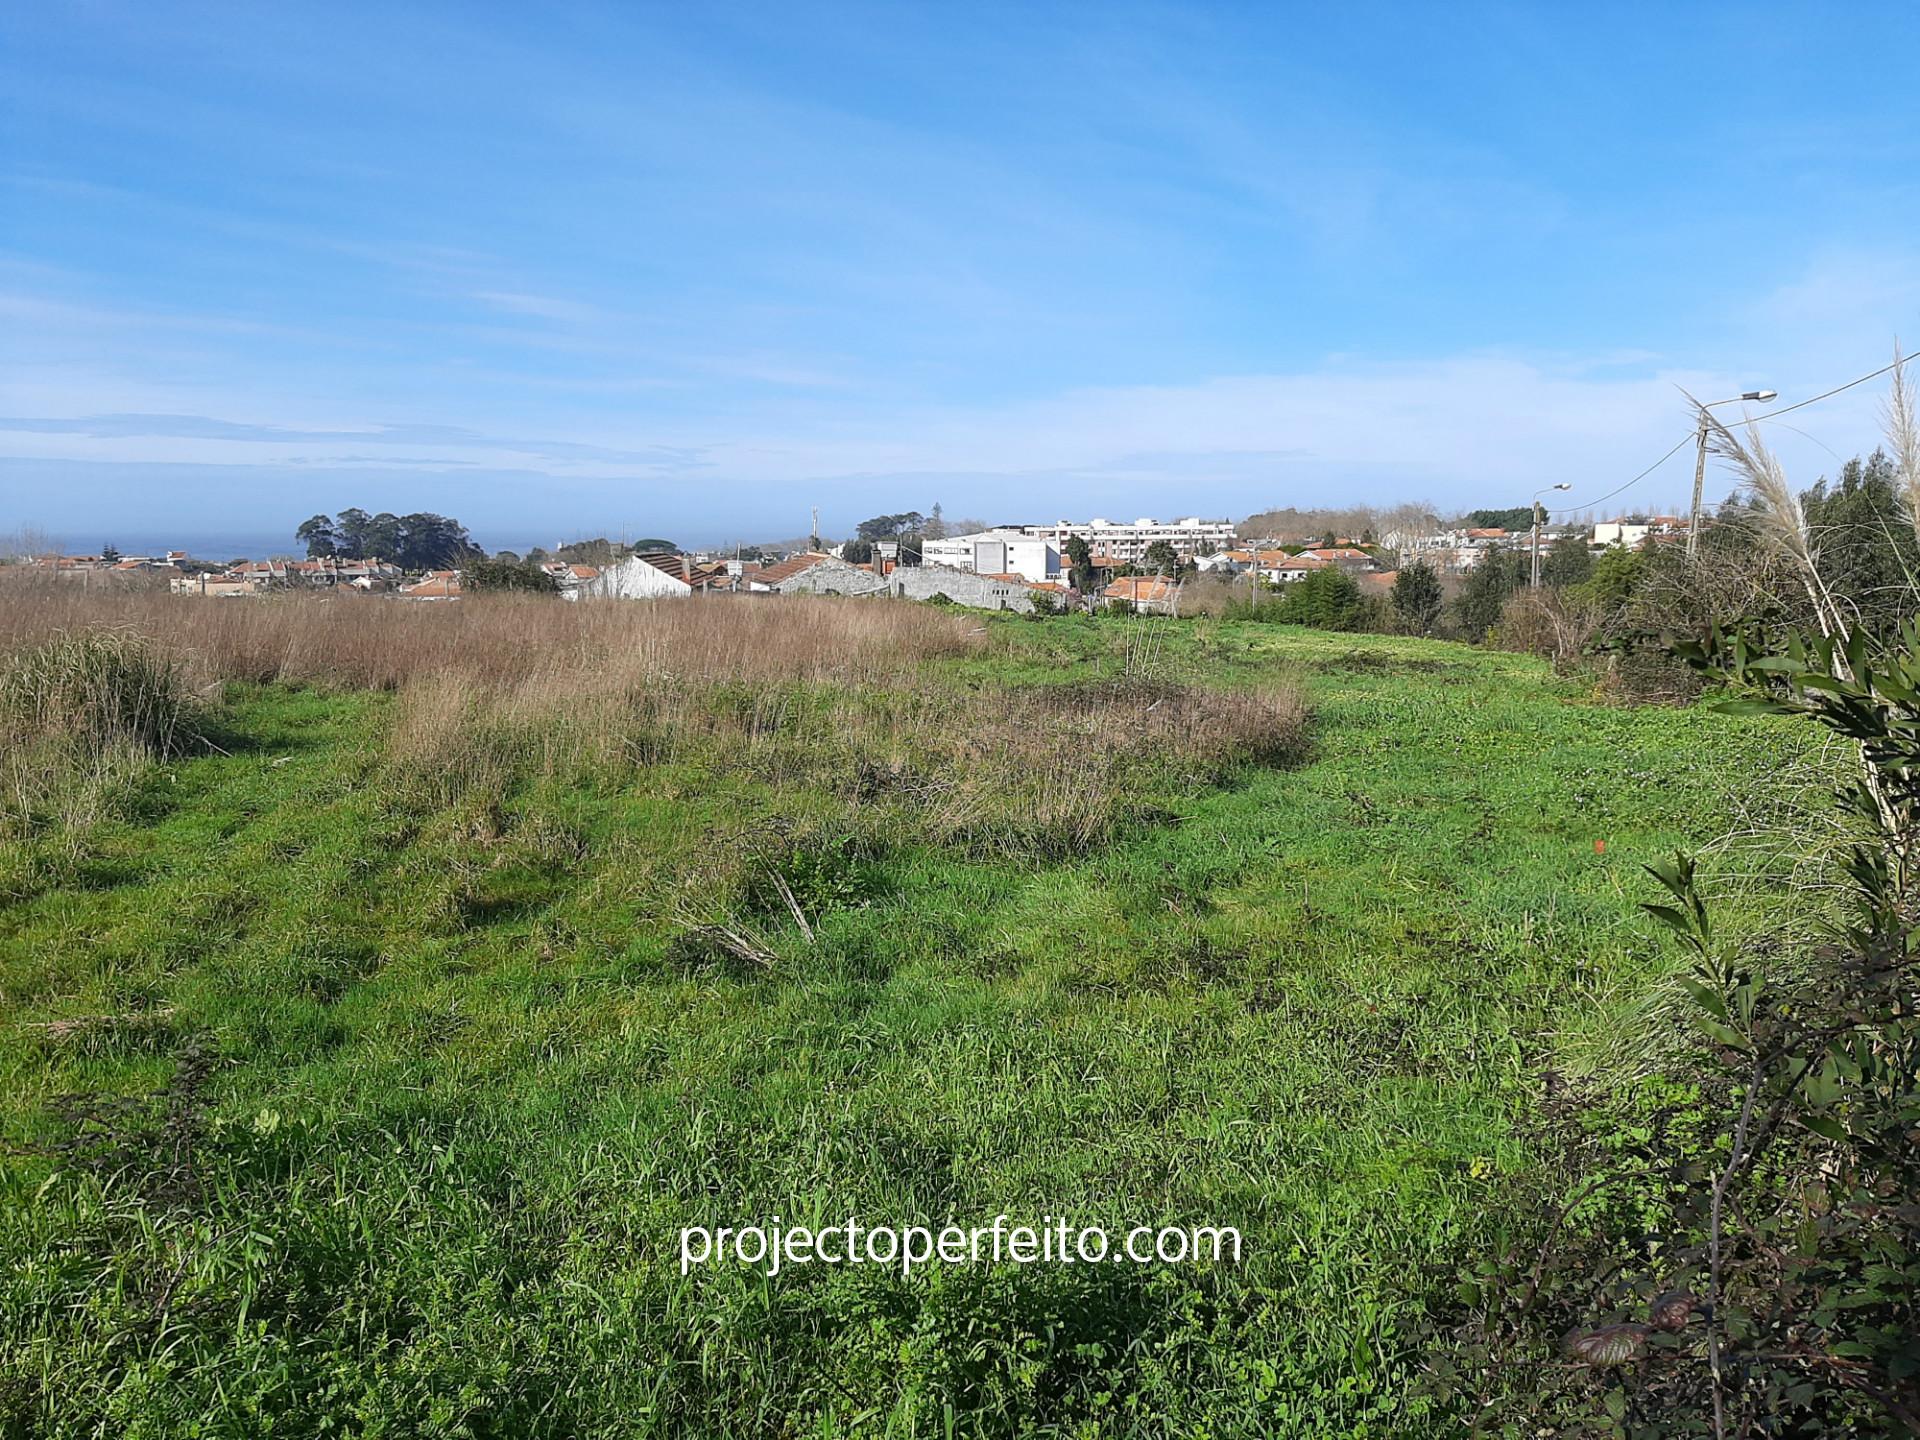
1009 567
186 576
1454 552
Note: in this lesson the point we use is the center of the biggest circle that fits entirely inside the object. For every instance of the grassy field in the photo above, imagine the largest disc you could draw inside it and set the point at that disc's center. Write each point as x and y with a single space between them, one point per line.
351 1086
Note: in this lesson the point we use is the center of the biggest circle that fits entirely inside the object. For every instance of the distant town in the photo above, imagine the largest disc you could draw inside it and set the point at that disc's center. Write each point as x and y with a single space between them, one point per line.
1143 565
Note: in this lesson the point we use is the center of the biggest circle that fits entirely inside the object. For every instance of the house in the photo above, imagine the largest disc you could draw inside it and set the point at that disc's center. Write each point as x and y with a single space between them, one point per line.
1279 568
437 585
1377 582
215 585
1344 557
1145 594
655 576
1225 562
569 577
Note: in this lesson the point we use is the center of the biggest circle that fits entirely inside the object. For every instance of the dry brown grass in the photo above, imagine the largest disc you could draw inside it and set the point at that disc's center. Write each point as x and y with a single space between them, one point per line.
833 696
1039 770
378 642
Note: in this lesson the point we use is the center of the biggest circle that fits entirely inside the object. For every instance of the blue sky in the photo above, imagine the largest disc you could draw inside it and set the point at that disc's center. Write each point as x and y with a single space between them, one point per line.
574 269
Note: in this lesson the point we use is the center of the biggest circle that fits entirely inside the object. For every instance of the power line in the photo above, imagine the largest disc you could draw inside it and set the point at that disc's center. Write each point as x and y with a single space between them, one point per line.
1802 404
1754 420
1644 473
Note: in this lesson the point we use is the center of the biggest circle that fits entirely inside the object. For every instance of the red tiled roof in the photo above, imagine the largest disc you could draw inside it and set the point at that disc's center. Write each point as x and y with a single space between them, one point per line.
788 568
1141 589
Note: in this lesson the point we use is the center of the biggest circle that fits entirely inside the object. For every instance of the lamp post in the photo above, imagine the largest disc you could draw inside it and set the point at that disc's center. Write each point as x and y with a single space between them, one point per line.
1544 489
1700 463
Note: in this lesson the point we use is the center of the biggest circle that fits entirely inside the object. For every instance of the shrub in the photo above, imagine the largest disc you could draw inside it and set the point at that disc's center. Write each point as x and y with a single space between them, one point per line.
79 713
93 690
511 575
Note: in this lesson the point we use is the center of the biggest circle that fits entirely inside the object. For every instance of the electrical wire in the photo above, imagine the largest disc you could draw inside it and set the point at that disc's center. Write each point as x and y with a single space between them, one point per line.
1751 420
1588 504
1826 394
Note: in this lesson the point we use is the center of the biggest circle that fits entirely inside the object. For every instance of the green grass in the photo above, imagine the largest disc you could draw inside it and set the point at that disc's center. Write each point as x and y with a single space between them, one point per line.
464 1078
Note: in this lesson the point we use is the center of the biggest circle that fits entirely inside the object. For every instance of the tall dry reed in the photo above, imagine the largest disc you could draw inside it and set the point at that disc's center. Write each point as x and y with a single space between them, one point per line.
379 642
81 711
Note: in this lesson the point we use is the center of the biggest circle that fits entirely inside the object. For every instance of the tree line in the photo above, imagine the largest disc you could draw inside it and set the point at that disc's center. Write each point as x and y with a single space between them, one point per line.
413 542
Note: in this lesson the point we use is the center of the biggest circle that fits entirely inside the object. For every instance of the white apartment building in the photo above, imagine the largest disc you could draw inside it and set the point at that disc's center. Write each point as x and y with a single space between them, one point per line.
996 552
1129 542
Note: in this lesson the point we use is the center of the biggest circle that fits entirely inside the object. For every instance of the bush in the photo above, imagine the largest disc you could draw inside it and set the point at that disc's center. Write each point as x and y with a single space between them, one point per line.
511 575
80 713
91 691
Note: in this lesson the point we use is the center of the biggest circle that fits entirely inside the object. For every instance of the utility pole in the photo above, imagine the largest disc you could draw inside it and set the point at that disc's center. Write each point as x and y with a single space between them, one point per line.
1539 513
1700 463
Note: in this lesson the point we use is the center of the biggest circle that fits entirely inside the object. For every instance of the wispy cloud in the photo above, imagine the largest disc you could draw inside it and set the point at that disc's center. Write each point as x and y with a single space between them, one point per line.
203 427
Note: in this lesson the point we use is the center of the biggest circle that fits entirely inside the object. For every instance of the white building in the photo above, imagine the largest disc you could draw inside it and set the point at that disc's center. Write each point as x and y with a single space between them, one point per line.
996 552
1129 543
1620 532
640 577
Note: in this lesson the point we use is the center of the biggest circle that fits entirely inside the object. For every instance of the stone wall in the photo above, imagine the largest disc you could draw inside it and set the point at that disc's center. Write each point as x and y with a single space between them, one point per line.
963 587
911 582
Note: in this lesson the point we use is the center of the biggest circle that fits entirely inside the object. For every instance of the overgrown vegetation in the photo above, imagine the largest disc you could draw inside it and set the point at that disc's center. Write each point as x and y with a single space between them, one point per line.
81 713
360 1071
1746 1260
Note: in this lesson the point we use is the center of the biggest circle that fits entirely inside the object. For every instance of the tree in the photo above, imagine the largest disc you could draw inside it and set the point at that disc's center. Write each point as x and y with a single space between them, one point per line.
936 524
1518 517
24 543
891 527
1612 579
1161 558
350 534
110 552
652 545
421 541
318 536
1417 596
1567 562
1498 575
1327 600
509 575
1080 565
1867 548
857 552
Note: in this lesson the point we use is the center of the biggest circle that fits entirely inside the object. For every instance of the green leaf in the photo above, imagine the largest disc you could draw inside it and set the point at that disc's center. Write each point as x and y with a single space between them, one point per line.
1826 1127
1708 998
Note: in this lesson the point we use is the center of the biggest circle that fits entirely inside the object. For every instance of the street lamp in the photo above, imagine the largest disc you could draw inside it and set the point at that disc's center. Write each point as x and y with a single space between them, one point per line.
1537 512
1700 462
